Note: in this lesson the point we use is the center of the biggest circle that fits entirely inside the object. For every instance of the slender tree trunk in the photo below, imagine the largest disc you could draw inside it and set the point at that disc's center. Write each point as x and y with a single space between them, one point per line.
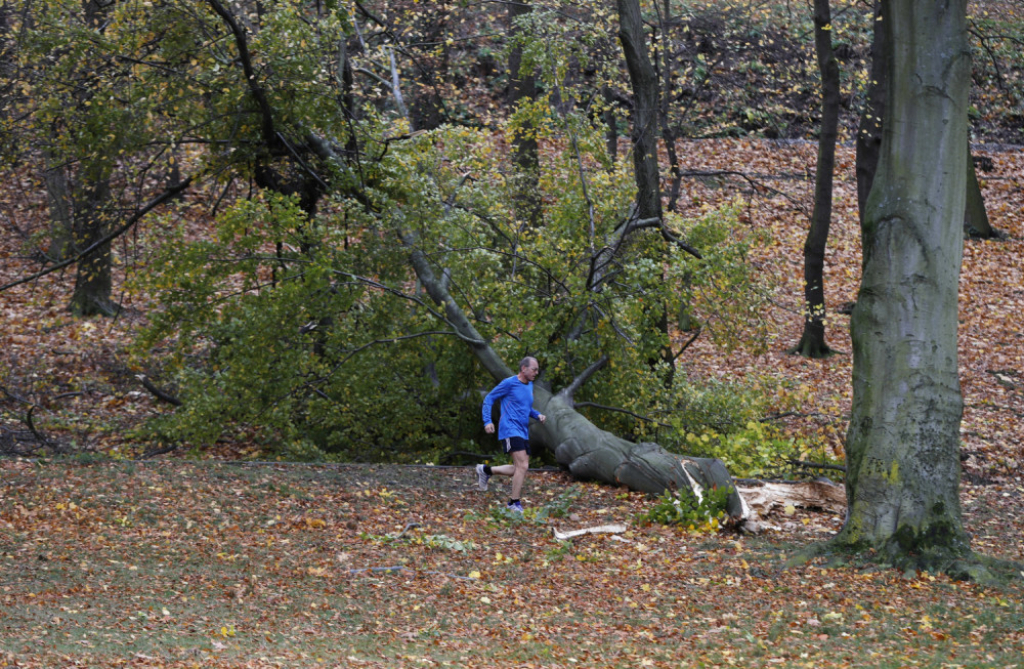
903 465
58 199
644 81
427 110
869 135
812 342
668 131
644 133
93 280
611 122
92 209
523 88
976 223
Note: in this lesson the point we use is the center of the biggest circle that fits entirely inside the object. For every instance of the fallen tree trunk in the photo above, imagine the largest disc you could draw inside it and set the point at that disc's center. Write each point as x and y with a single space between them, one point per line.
587 451
590 453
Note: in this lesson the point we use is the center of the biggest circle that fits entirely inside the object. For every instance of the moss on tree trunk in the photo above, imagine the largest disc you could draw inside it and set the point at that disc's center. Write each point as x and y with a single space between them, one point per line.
903 443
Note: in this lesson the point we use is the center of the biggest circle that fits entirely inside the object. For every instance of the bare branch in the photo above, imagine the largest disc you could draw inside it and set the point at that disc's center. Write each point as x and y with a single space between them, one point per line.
594 405
31 426
687 344
458 332
135 218
815 465
396 90
584 376
242 44
159 394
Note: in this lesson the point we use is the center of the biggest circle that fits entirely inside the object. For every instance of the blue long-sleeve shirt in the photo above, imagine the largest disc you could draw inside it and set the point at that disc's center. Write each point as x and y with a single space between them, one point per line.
516 408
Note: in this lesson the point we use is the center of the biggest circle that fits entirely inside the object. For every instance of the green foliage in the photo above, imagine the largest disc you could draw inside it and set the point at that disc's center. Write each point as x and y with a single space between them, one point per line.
303 327
755 450
313 331
687 510
559 507
261 338
444 542
534 515
561 549
439 541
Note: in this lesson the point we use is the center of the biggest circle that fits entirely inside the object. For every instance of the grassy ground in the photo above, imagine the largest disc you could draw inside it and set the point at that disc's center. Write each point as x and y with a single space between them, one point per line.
202 564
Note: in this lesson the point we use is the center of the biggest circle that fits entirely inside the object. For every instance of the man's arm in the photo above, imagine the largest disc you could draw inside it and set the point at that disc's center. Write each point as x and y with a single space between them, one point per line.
496 393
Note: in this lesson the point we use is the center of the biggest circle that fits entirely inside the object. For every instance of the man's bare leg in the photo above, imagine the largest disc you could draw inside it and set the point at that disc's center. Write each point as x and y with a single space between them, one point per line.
517 470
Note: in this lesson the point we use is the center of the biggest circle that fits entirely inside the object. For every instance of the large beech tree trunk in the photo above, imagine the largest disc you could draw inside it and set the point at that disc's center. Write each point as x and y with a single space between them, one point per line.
903 441
869 139
812 342
587 451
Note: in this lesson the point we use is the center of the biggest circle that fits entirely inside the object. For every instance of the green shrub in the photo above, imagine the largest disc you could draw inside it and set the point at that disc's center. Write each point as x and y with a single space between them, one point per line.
686 510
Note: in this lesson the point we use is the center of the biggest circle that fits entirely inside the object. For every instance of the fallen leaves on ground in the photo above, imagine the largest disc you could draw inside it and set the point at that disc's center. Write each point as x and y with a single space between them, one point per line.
179 564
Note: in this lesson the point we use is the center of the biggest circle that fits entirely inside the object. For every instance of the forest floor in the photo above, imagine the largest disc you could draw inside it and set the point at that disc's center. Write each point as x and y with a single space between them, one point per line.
181 563
206 564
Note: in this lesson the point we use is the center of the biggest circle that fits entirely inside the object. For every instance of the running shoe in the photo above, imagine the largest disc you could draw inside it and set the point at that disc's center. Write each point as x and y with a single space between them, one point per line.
482 477
515 507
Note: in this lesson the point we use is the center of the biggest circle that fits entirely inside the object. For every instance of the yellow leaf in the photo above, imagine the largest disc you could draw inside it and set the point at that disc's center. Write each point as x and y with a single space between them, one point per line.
474 574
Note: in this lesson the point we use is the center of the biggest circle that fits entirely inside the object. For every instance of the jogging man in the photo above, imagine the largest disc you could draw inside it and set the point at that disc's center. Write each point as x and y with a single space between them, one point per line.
516 396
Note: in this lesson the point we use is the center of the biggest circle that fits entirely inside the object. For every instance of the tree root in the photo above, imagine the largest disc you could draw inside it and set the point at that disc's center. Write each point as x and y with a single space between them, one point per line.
809 347
965 566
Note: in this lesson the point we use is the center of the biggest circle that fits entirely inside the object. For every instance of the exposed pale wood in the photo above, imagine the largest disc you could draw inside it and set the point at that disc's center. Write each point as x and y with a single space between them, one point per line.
817 495
600 529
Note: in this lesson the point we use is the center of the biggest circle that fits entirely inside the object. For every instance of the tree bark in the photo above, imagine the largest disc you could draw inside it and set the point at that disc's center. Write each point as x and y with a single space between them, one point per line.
668 130
523 87
611 122
869 140
903 441
644 132
93 276
869 134
812 342
976 223
58 200
644 81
